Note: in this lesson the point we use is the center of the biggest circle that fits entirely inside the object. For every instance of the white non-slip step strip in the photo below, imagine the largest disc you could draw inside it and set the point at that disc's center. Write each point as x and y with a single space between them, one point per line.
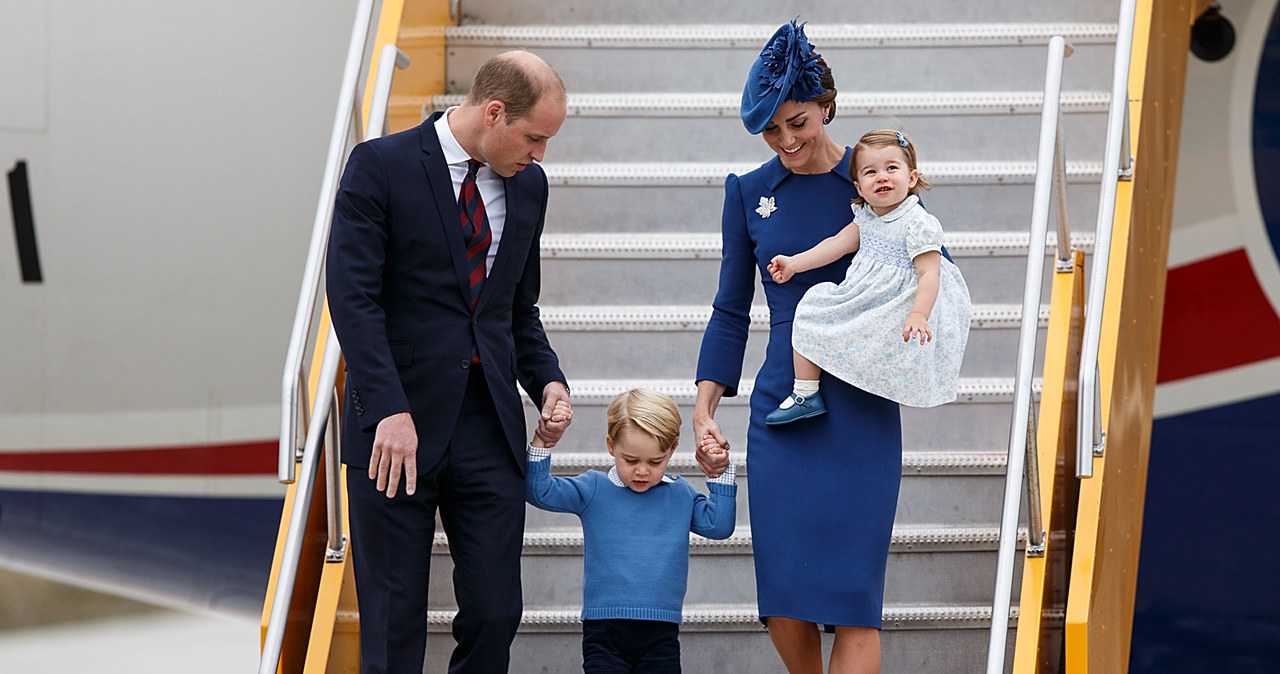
682 246
745 618
601 391
919 463
904 539
668 318
710 174
860 103
753 36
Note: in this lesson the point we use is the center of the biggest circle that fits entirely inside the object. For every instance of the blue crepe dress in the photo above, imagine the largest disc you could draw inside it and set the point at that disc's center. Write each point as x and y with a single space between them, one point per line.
823 491
853 330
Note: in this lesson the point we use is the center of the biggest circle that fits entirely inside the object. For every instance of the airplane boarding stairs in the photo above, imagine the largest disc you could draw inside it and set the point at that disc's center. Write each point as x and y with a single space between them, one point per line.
630 258
631 253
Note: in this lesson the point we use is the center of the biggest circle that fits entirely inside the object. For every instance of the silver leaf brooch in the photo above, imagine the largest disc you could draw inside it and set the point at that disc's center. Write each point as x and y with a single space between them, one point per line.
767 206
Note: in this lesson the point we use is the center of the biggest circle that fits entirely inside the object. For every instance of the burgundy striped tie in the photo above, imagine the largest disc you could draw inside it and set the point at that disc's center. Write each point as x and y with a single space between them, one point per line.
475 229
475 233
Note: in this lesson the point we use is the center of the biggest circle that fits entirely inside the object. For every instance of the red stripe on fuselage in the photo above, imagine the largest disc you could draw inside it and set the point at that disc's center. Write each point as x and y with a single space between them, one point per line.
1216 316
244 458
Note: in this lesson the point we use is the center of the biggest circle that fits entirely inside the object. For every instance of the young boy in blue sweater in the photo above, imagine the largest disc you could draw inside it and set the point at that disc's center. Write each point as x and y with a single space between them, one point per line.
636 521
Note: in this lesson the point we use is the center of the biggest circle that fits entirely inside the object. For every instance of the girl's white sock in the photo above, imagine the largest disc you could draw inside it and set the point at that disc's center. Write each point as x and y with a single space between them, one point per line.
803 388
806 387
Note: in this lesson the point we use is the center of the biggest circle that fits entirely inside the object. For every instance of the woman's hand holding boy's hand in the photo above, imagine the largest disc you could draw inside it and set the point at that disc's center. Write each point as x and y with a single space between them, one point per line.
549 430
717 455
782 268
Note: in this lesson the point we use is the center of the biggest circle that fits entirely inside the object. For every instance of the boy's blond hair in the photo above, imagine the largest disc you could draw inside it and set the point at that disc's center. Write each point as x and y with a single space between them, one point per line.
647 411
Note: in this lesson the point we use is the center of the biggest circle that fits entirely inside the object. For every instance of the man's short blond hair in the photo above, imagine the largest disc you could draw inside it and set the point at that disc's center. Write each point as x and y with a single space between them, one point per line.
647 411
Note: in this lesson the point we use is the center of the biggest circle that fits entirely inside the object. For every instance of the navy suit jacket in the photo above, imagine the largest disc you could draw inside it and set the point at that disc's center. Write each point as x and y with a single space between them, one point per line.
398 295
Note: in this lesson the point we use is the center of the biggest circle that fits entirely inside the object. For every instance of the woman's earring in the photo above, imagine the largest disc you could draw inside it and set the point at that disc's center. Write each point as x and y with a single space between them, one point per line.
826 120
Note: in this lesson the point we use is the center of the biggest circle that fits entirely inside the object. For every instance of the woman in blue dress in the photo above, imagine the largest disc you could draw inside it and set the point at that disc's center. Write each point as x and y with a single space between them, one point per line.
823 492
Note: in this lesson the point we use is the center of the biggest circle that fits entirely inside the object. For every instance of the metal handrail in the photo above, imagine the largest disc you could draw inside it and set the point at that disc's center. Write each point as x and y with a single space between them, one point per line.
294 385
1117 165
326 395
391 59
1022 449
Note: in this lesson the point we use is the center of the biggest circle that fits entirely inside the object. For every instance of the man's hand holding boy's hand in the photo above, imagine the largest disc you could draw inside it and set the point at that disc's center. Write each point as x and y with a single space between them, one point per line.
553 425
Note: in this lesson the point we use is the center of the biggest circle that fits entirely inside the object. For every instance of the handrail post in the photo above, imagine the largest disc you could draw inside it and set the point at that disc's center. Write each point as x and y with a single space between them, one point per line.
1099 434
337 550
326 409
389 59
303 415
1036 533
1065 262
1020 432
1126 161
1089 416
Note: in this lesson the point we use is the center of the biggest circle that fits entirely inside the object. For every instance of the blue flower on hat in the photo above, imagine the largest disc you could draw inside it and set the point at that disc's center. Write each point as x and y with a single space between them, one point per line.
787 69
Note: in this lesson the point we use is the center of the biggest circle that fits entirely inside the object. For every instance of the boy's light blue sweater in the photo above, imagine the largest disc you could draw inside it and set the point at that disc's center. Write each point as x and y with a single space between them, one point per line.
636 551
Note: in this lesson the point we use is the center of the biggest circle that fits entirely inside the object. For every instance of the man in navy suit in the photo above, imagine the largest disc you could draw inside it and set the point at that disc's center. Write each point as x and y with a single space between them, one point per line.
433 360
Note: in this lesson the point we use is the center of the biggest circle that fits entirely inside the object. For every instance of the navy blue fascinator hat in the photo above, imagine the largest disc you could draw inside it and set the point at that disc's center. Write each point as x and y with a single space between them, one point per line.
786 70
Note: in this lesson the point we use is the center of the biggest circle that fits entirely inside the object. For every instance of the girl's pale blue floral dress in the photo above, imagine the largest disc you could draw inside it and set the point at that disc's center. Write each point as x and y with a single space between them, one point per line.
854 330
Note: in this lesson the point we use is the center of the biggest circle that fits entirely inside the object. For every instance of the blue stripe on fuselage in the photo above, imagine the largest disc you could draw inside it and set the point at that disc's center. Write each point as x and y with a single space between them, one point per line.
1208 596
210 553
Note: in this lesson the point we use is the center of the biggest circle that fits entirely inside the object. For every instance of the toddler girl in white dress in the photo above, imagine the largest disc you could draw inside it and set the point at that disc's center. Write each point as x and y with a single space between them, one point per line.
897 325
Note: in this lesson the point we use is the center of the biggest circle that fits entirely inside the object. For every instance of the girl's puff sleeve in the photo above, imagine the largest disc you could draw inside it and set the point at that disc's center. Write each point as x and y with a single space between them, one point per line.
924 232
725 341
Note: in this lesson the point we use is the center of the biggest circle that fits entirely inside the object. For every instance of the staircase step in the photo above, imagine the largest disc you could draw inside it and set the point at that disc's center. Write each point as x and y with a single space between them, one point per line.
918 463
685 127
685 268
952 565
647 199
693 318
600 391
893 103
767 11
684 246
712 174
663 341
952 488
730 638
752 36
744 618
689 196
978 420
640 57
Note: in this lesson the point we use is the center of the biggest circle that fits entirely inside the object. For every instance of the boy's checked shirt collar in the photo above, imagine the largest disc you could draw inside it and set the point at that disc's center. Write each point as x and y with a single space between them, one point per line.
727 477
